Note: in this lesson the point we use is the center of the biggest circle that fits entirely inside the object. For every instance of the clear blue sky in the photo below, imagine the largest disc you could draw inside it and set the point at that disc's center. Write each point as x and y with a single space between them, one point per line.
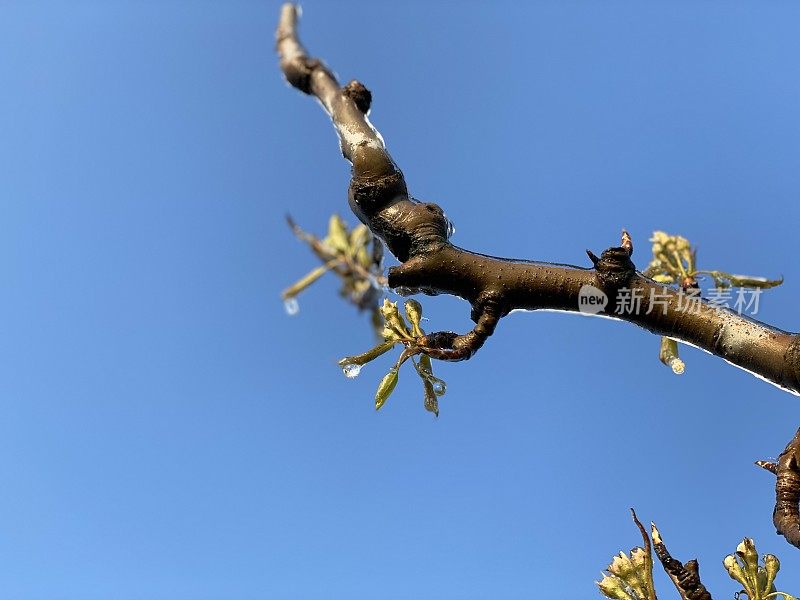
167 432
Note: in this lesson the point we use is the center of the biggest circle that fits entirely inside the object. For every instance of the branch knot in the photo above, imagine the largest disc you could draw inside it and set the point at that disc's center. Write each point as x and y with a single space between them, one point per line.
409 228
614 267
359 94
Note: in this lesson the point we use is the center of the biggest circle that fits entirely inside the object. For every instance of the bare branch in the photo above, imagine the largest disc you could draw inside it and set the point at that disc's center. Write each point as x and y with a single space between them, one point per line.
375 174
786 516
648 549
418 235
686 577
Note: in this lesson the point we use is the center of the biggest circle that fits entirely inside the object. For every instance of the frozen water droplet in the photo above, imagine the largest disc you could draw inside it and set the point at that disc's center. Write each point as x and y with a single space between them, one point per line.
451 229
677 366
291 306
351 370
439 388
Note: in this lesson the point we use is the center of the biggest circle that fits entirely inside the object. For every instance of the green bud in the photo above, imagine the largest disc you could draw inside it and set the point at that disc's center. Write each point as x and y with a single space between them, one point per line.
735 570
385 388
724 279
611 587
394 322
771 566
755 282
639 557
659 239
414 313
388 308
364 257
621 566
431 401
425 364
632 570
389 334
727 280
682 245
372 354
746 550
433 386
673 258
306 281
337 234
761 583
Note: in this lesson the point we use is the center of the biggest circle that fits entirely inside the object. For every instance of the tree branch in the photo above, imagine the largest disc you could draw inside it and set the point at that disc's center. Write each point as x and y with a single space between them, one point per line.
686 576
786 516
648 551
418 235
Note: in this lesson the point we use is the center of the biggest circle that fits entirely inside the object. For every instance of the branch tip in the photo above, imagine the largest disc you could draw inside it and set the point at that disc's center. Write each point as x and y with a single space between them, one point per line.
656 533
627 242
685 577
643 531
767 466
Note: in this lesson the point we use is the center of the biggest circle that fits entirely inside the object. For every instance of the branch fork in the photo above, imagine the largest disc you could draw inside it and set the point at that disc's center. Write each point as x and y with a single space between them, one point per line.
418 235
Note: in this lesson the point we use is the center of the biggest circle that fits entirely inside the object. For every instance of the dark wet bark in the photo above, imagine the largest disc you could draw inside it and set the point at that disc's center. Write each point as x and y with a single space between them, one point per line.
786 515
685 576
418 233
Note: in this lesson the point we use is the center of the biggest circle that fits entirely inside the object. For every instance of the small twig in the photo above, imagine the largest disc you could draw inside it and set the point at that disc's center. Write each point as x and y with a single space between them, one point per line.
648 551
686 577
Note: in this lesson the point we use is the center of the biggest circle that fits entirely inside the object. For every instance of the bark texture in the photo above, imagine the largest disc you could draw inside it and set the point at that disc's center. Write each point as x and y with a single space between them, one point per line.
685 576
418 234
786 515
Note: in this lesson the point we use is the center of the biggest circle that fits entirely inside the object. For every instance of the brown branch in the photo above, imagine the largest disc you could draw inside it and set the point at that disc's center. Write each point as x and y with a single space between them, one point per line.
648 549
786 515
418 234
686 577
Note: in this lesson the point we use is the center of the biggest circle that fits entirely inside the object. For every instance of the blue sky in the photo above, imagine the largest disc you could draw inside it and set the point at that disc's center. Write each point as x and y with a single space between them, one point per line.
168 432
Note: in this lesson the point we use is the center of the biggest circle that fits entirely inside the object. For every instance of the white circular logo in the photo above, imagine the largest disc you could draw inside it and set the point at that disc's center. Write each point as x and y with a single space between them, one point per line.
591 300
